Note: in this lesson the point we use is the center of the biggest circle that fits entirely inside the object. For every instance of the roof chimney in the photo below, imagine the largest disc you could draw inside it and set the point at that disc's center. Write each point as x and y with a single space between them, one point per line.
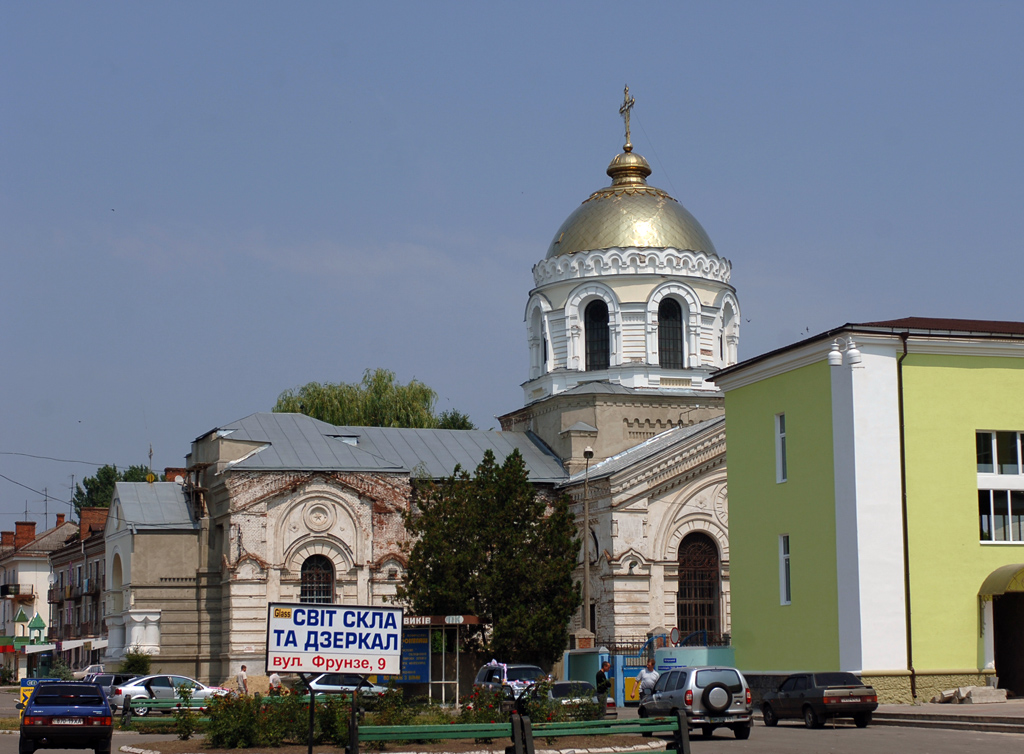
24 532
60 519
6 539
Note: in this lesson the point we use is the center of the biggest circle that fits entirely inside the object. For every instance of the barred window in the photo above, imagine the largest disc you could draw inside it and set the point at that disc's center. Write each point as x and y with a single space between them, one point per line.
595 322
317 580
670 334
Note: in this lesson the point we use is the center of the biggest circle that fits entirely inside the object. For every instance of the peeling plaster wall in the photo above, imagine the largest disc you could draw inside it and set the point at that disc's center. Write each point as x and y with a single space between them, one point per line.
266 524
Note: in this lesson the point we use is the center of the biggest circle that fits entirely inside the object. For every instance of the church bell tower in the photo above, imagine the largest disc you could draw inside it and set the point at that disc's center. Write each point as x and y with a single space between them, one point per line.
631 311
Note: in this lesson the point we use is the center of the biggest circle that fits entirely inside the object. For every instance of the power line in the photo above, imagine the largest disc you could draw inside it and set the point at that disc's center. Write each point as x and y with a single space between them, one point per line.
49 458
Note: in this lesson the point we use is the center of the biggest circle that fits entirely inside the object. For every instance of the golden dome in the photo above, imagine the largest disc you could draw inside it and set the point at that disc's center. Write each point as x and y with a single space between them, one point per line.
629 213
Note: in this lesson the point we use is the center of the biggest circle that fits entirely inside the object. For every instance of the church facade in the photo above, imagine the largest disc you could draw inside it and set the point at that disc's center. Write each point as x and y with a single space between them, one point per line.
631 312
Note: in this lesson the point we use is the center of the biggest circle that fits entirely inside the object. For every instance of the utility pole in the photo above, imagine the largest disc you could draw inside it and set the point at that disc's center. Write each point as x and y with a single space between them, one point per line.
588 453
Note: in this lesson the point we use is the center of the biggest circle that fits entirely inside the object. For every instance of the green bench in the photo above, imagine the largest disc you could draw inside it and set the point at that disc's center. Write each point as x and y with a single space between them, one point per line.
522 731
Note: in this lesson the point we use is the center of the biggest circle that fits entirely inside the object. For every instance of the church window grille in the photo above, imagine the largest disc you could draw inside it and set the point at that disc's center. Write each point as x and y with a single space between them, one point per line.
697 608
670 334
596 325
317 580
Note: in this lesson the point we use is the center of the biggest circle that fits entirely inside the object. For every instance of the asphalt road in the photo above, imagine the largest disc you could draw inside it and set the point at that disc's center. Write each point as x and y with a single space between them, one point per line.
793 738
785 739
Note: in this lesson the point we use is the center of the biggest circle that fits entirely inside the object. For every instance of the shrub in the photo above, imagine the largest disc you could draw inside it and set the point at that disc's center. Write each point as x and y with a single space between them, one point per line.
249 721
184 716
59 669
135 661
391 709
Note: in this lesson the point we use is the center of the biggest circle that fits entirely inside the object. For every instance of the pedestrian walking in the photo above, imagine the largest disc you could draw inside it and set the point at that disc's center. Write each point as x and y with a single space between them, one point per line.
243 681
646 679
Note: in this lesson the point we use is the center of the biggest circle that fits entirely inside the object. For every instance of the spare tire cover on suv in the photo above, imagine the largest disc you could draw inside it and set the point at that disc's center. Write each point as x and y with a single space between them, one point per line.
716 697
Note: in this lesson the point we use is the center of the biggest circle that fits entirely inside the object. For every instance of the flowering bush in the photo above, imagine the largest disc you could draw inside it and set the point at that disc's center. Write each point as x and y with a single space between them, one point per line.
238 722
482 707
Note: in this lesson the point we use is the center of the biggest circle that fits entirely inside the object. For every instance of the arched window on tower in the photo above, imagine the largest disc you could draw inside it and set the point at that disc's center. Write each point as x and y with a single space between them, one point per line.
595 323
697 606
670 334
317 580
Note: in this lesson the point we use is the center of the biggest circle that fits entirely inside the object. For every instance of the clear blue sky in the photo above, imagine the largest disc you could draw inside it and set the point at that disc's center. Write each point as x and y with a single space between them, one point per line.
203 204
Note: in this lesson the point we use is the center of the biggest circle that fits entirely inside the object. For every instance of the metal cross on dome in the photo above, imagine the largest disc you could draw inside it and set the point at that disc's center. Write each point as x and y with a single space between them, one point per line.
627 105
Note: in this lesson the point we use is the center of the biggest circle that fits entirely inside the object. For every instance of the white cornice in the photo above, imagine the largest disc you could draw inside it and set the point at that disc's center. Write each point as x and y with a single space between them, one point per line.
812 351
602 263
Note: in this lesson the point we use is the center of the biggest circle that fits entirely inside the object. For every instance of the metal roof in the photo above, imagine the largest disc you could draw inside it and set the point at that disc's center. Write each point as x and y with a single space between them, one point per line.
296 441
156 505
643 451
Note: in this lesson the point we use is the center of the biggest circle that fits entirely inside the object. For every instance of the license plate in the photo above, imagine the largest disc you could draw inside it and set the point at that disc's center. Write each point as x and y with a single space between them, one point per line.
718 719
67 721
850 699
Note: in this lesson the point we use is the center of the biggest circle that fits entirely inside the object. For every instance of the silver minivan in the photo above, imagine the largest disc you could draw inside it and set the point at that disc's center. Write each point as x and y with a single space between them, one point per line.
711 697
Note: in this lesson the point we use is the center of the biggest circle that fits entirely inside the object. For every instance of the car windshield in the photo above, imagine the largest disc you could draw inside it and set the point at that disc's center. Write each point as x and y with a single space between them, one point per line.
103 679
571 689
726 676
836 679
525 674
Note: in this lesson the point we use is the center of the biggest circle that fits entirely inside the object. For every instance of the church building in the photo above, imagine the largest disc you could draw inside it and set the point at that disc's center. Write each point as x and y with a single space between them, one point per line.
631 311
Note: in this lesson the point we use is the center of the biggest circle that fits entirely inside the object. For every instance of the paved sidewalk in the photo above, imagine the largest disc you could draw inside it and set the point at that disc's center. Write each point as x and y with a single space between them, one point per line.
998 717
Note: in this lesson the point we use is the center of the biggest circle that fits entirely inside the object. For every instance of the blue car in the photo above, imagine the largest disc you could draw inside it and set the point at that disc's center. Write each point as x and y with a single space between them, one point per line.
66 715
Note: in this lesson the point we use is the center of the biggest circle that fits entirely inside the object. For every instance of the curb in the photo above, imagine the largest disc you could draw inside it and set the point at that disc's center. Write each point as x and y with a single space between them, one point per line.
652 746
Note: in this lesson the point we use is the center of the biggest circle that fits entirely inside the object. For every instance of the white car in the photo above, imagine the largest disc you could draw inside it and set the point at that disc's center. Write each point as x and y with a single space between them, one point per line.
161 687
91 670
344 683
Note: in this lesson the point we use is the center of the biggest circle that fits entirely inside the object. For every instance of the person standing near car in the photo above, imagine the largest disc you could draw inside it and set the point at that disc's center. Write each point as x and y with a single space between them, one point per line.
243 681
603 684
275 684
646 679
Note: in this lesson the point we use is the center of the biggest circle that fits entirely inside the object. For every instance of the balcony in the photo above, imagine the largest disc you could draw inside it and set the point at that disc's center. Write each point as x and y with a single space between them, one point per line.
15 590
54 595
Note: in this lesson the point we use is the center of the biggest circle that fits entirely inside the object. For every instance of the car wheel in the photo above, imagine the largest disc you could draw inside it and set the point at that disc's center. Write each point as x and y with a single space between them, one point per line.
811 719
861 719
716 698
706 731
770 718
742 732
140 711
103 748
26 745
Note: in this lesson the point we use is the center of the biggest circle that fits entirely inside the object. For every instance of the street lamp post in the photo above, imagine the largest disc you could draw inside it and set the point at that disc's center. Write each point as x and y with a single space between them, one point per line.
588 453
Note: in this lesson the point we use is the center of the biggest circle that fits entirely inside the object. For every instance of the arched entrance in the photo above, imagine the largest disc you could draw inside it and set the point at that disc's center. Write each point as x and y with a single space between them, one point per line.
317 580
698 603
1005 588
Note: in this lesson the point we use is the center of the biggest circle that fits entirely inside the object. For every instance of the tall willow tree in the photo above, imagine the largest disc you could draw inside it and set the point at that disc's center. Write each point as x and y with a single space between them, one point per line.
488 545
378 401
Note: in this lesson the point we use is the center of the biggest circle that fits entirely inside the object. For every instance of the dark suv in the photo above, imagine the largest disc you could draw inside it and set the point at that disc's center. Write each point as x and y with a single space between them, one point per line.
494 676
711 697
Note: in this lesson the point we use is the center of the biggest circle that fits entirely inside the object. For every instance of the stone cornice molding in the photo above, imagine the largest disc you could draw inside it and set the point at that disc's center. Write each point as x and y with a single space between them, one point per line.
602 263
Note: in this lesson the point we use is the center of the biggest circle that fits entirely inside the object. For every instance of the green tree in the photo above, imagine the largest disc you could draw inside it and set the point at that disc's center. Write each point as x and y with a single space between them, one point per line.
379 400
488 545
99 489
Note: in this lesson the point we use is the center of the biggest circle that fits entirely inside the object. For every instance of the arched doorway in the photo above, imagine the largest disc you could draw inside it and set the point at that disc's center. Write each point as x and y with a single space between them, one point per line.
317 580
1005 588
698 602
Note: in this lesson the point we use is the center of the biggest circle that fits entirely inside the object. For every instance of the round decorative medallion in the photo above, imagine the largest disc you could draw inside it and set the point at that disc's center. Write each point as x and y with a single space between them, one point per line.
319 516
722 506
